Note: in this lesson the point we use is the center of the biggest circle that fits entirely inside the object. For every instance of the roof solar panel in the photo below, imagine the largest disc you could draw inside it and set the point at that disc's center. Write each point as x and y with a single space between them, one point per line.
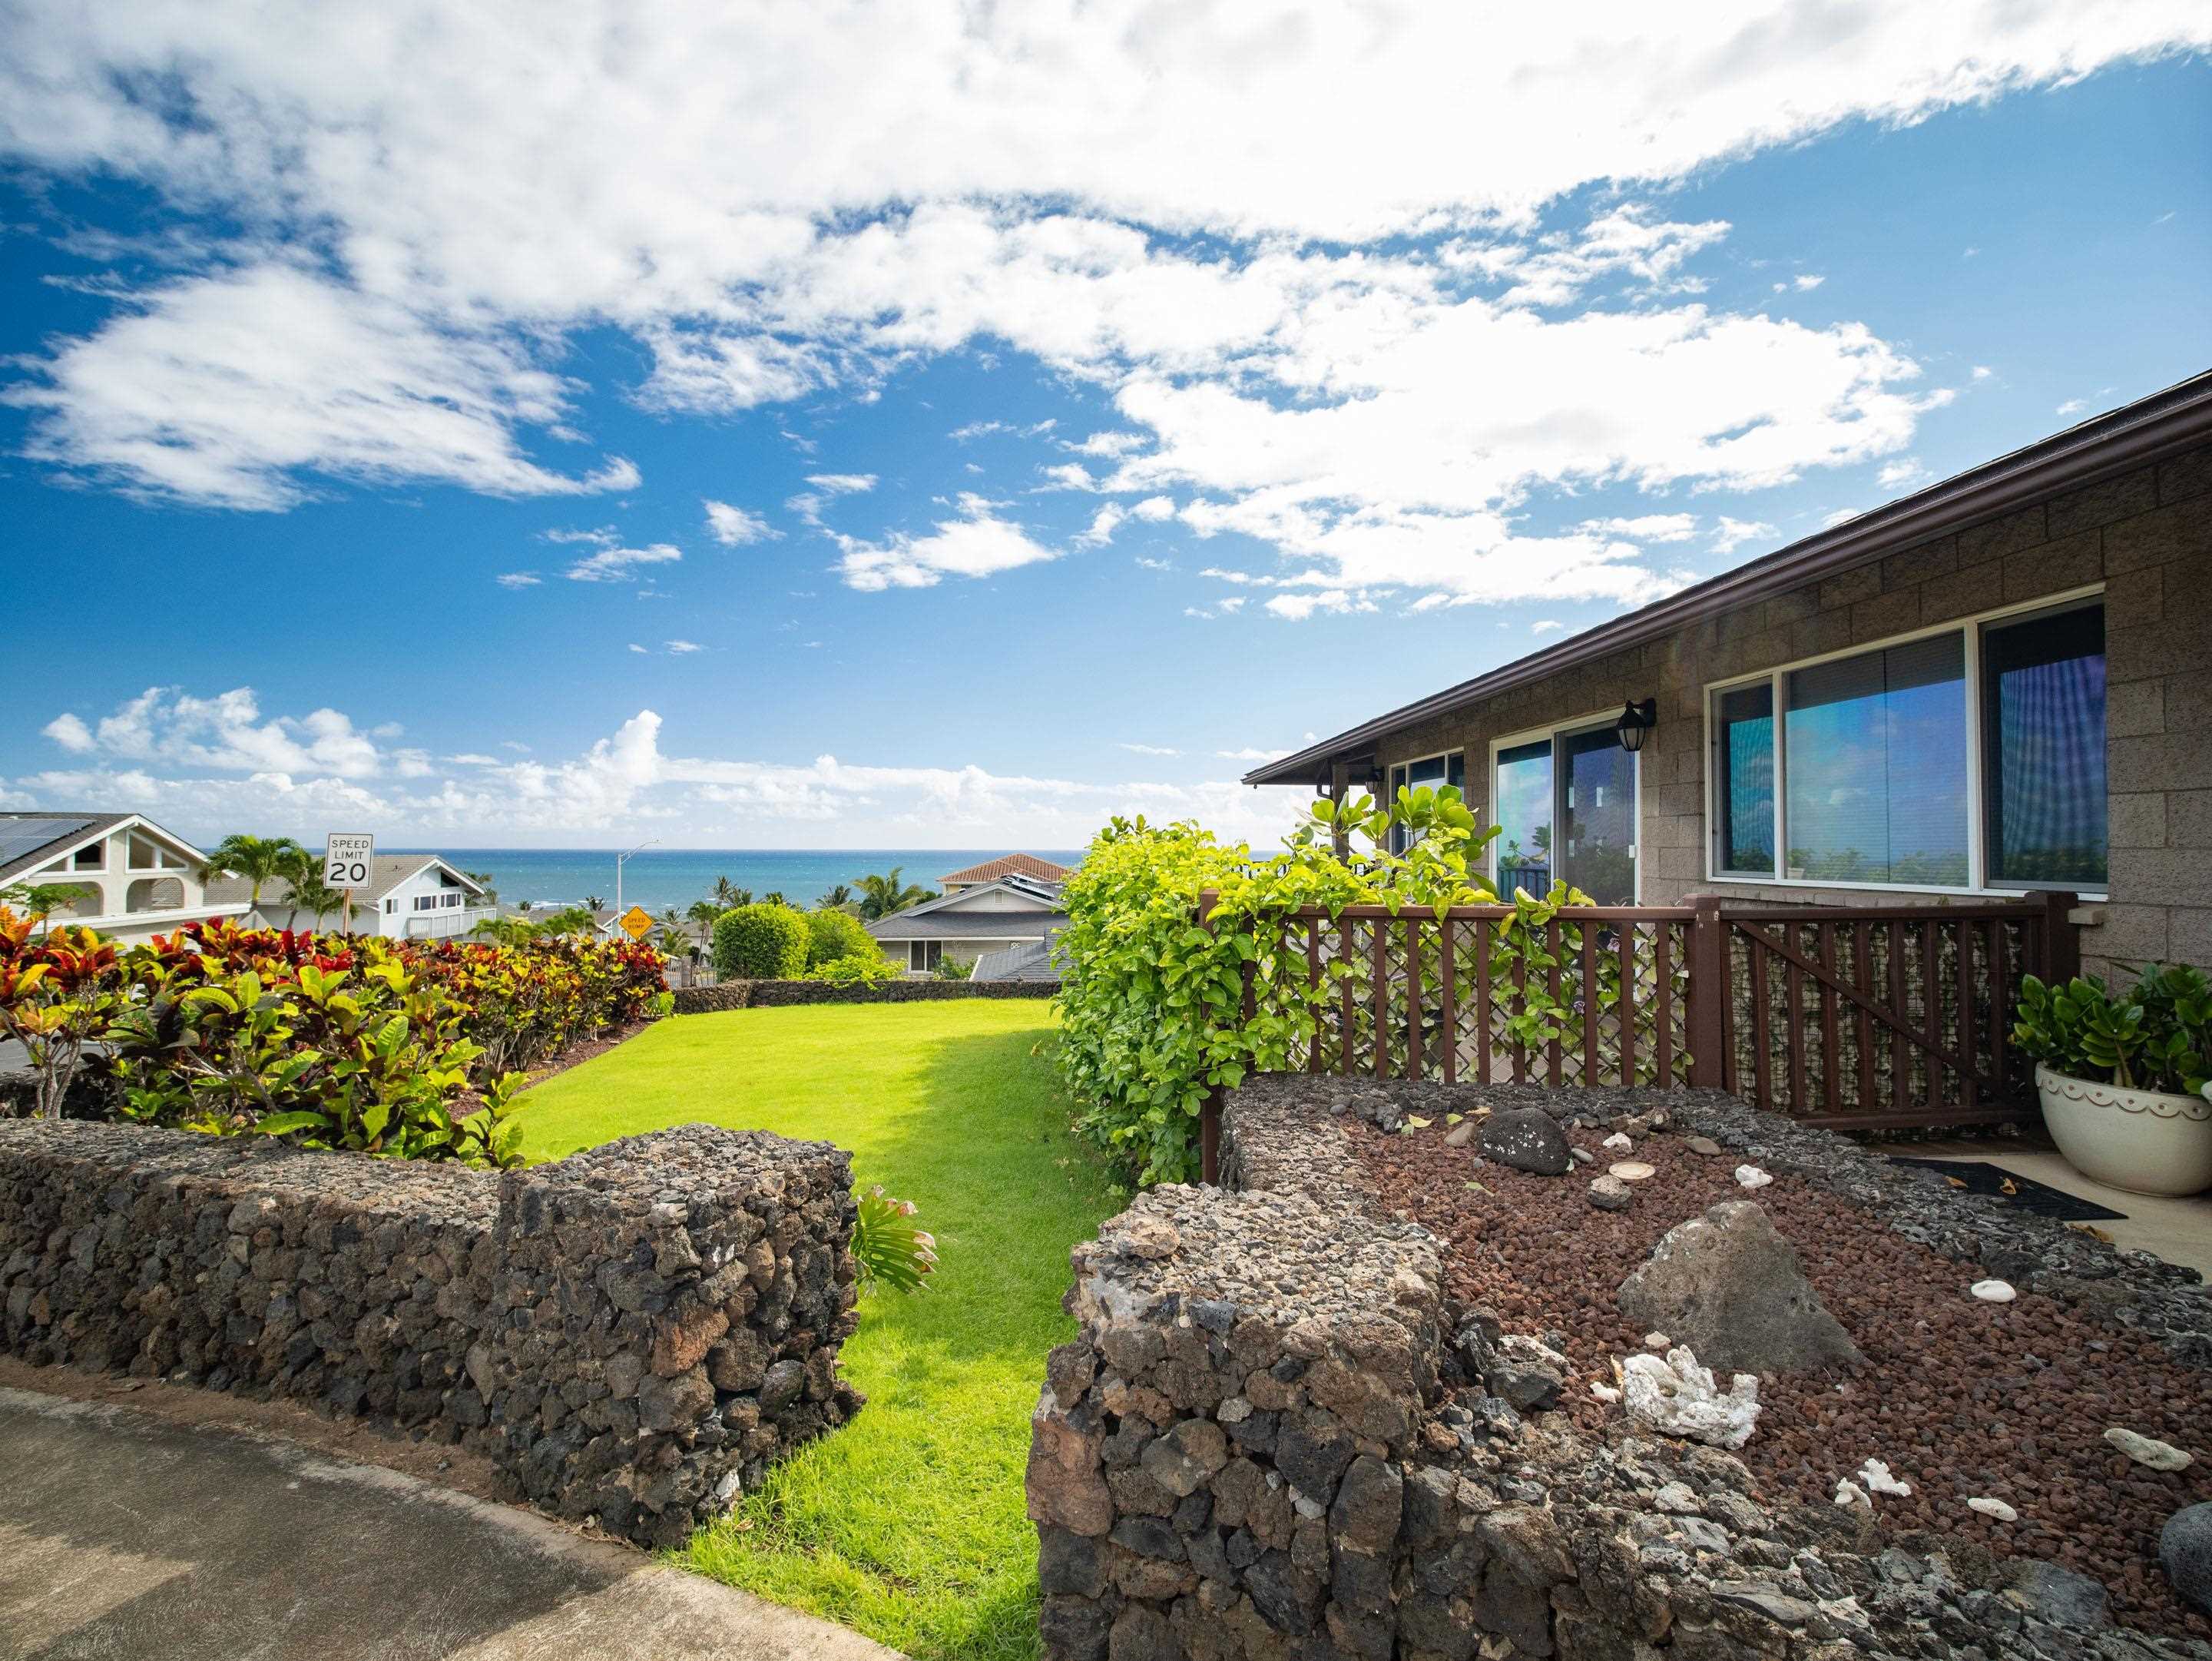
21 837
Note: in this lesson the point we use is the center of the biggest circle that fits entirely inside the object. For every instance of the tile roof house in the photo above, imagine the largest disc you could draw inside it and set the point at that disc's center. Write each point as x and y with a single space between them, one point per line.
1006 865
408 896
974 921
141 881
1997 685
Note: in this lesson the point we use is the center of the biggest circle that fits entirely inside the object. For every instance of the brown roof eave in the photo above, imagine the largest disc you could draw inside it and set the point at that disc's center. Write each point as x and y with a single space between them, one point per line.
2149 430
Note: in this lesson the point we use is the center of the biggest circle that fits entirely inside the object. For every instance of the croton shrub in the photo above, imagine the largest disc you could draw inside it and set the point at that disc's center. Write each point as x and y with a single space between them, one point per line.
1150 995
413 1049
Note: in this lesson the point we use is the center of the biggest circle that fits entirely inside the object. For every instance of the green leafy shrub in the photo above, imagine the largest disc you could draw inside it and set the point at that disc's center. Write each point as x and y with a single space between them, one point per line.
949 969
833 934
890 1250
2156 1035
1150 1003
760 942
872 970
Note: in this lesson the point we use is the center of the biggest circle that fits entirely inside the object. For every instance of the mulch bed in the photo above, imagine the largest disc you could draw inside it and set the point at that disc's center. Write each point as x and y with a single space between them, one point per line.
1961 1398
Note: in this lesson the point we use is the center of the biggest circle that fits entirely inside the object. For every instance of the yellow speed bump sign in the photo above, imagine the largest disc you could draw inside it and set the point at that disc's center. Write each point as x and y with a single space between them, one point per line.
635 923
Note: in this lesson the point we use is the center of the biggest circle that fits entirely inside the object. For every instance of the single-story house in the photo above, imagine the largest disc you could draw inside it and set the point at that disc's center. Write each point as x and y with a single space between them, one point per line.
1999 684
408 896
141 881
971 922
1006 865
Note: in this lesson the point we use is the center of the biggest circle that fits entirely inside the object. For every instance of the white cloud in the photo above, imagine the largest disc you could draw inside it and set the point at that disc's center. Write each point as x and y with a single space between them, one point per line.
1145 565
733 528
70 732
1799 284
640 650
2073 407
620 564
1148 750
1731 534
170 755
1983 372
1286 276
843 483
518 579
1901 474
1103 526
1649 528
1545 626
1297 607
1155 508
977 543
680 647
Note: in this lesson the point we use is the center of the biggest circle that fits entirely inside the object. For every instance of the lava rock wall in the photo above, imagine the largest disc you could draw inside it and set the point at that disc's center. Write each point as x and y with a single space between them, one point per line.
765 995
632 1334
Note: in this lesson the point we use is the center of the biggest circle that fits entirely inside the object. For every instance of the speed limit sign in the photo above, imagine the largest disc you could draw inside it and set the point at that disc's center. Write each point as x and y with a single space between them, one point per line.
346 860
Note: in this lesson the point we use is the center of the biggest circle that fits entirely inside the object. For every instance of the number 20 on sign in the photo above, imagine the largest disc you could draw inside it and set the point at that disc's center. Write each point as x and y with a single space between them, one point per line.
347 858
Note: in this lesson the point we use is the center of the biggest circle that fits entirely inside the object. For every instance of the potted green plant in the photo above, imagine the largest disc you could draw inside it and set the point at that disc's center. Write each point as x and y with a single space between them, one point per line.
2126 1081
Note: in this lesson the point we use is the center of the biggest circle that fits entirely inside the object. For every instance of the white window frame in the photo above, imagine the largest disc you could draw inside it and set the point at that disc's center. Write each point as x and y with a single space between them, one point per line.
1551 733
922 949
1970 627
1390 772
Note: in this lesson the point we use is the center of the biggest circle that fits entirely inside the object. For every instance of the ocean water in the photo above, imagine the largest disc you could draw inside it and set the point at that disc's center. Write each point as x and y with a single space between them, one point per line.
662 877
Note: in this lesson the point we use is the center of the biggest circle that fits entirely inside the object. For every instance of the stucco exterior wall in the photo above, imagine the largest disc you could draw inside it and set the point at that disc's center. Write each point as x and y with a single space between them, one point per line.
2146 536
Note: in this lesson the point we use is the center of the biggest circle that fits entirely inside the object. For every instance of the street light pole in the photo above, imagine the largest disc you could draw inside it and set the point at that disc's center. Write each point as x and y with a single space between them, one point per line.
619 861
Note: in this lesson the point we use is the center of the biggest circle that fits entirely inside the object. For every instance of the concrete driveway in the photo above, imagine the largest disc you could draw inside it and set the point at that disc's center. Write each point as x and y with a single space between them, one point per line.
123 1534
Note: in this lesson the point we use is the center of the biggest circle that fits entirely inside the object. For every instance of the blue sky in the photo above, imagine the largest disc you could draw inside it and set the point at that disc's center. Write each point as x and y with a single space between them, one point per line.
680 444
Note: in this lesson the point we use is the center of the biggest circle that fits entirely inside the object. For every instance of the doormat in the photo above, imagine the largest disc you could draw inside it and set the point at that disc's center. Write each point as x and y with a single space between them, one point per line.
1978 1177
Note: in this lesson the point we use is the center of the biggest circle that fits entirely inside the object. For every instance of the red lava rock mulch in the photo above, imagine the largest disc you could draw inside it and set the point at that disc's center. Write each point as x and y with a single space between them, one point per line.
1961 1398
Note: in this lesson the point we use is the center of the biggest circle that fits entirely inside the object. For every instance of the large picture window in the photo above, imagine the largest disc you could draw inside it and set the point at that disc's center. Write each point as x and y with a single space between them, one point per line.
1868 770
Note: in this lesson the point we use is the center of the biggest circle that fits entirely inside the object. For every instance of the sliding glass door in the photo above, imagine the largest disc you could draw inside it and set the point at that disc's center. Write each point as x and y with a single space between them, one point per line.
1566 811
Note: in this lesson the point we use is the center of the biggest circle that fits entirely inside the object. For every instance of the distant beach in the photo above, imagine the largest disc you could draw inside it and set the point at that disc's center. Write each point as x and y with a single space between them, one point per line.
661 877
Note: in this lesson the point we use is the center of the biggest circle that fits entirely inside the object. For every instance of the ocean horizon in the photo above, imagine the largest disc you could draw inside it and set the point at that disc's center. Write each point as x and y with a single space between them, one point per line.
662 877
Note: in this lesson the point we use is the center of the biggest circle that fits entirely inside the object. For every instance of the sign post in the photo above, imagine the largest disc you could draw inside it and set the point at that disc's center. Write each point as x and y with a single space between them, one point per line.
348 857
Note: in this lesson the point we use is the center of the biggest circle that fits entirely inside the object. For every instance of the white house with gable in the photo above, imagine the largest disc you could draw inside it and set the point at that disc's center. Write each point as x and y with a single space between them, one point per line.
408 896
138 879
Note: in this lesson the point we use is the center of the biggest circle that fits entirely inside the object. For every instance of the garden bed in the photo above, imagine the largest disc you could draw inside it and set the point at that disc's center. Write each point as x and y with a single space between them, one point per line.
1961 1398
1303 1409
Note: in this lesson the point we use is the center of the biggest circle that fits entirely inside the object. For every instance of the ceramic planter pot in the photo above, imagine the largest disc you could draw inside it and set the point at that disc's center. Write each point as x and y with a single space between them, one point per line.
2143 1141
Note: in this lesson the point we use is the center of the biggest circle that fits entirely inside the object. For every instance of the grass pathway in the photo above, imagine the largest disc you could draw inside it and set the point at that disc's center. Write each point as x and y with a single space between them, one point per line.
906 1524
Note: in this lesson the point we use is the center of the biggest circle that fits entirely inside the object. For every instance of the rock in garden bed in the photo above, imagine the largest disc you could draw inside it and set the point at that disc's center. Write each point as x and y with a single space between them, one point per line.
1961 1397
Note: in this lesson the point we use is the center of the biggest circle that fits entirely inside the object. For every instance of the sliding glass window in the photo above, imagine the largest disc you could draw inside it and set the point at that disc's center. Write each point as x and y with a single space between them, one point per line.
1524 819
2043 749
1865 769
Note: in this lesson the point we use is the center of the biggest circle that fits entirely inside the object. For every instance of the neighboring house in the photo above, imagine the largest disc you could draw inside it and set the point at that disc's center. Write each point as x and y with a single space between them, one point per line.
975 920
408 896
143 880
1999 684
1006 865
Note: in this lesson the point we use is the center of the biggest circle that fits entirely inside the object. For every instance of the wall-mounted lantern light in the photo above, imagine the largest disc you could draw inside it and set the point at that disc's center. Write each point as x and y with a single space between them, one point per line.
1635 719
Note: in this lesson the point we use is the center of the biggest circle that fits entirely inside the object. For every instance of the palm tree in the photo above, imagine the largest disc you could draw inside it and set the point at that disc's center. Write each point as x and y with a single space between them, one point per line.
728 895
311 893
256 859
773 897
705 912
483 881
839 898
595 902
880 896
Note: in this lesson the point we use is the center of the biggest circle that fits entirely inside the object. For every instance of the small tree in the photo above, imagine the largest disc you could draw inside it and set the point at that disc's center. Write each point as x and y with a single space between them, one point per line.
834 934
761 943
880 896
595 902
837 899
38 901
258 859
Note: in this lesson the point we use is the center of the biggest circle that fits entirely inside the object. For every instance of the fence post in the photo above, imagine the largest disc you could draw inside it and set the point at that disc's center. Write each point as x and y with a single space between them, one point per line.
2061 939
1708 945
1209 1111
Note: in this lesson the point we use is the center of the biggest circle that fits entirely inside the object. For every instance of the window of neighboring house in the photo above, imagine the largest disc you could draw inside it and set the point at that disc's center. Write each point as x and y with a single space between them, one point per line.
1877 755
426 902
923 955
449 899
390 906
1450 768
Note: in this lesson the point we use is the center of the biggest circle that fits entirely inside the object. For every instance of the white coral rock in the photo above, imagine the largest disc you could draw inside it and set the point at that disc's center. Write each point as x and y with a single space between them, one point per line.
1619 1139
1849 1493
1993 1292
1677 1397
1996 1508
1750 1176
1604 1393
1876 1475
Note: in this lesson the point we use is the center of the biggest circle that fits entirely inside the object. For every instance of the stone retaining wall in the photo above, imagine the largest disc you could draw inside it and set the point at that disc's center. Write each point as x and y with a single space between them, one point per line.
1272 1438
632 1334
761 995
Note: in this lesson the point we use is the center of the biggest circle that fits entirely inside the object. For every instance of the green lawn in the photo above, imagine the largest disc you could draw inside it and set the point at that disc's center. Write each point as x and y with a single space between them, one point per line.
906 1524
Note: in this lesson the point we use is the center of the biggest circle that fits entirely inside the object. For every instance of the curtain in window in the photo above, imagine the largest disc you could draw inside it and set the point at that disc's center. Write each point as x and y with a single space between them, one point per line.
1745 718
2043 701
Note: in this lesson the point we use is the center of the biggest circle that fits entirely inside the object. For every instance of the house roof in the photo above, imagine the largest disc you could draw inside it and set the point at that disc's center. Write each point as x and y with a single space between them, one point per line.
2148 430
30 840
386 872
968 925
1029 961
1042 896
1010 864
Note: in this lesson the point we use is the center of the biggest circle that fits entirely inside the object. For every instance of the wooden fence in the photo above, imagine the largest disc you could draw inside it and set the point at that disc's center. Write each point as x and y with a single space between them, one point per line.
1856 1017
